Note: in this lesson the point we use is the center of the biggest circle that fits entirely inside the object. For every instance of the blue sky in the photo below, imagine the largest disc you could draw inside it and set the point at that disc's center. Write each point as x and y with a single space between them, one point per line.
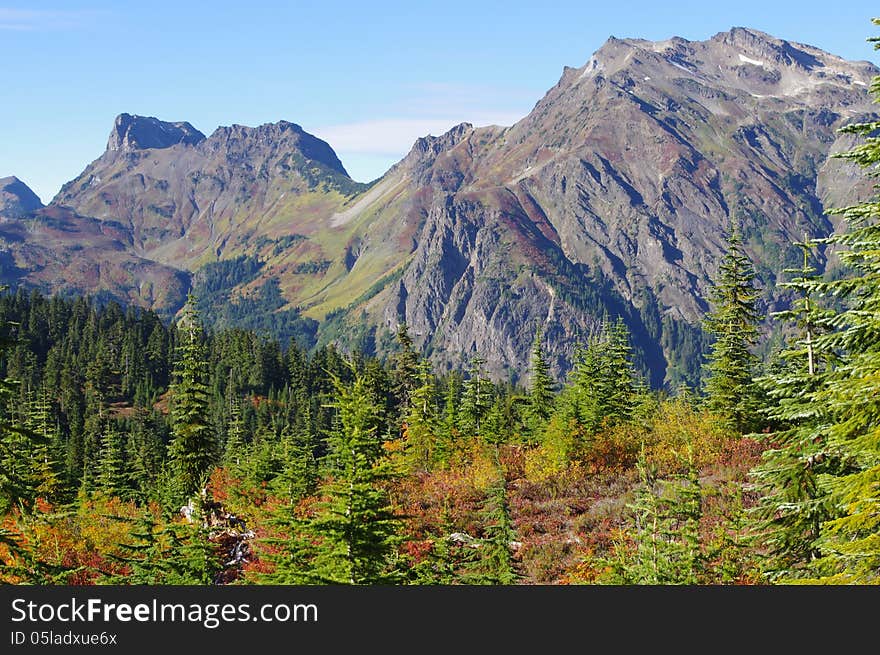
369 77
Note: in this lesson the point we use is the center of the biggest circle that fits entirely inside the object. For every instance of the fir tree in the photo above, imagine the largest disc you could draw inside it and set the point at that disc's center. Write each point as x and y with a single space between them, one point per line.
420 425
143 558
113 478
146 451
46 458
173 554
192 449
793 507
476 399
406 369
541 396
603 381
733 324
666 519
439 567
234 450
449 428
298 468
18 482
353 537
494 563
850 542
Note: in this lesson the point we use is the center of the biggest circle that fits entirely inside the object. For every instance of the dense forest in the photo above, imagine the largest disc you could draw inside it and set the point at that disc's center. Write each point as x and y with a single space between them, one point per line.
139 452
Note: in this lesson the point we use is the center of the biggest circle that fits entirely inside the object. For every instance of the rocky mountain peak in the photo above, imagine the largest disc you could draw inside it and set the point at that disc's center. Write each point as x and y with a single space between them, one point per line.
428 150
276 137
741 60
16 198
131 132
434 145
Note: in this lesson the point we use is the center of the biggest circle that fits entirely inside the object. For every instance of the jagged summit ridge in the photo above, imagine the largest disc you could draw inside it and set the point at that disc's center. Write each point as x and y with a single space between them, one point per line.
132 132
276 136
740 58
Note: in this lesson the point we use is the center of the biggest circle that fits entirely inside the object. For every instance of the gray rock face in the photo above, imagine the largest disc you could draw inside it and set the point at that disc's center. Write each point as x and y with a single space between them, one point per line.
186 197
629 170
16 198
142 132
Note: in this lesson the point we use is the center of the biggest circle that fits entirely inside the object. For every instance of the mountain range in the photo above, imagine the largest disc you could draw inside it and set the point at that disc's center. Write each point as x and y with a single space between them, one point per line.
612 197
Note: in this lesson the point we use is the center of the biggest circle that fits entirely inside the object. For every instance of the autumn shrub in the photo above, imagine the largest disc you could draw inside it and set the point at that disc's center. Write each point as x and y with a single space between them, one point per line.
678 434
613 448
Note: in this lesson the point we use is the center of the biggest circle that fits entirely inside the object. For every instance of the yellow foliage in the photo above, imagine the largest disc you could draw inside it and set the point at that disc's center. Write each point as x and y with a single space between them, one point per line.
552 457
477 462
678 431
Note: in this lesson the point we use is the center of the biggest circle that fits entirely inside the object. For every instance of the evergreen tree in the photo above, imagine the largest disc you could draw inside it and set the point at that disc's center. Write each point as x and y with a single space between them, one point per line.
666 535
541 396
733 324
494 562
449 429
192 449
173 554
353 538
46 468
792 506
146 450
234 450
298 472
603 382
16 480
439 567
406 369
476 399
420 425
143 558
113 478
850 542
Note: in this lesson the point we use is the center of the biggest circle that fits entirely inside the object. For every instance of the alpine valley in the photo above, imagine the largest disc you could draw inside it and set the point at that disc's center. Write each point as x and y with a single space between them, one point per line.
612 197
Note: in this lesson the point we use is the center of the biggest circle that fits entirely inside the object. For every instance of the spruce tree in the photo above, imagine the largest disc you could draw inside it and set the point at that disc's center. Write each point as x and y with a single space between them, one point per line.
850 542
792 506
540 396
192 449
494 562
733 322
420 424
353 537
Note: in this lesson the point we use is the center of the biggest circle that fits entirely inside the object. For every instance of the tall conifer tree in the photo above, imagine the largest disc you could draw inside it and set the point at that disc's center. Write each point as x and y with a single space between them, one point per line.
850 542
733 323
793 507
192 450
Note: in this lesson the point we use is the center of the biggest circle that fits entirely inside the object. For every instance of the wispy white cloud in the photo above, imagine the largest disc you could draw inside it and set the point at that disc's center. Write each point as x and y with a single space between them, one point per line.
395 136
33 20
